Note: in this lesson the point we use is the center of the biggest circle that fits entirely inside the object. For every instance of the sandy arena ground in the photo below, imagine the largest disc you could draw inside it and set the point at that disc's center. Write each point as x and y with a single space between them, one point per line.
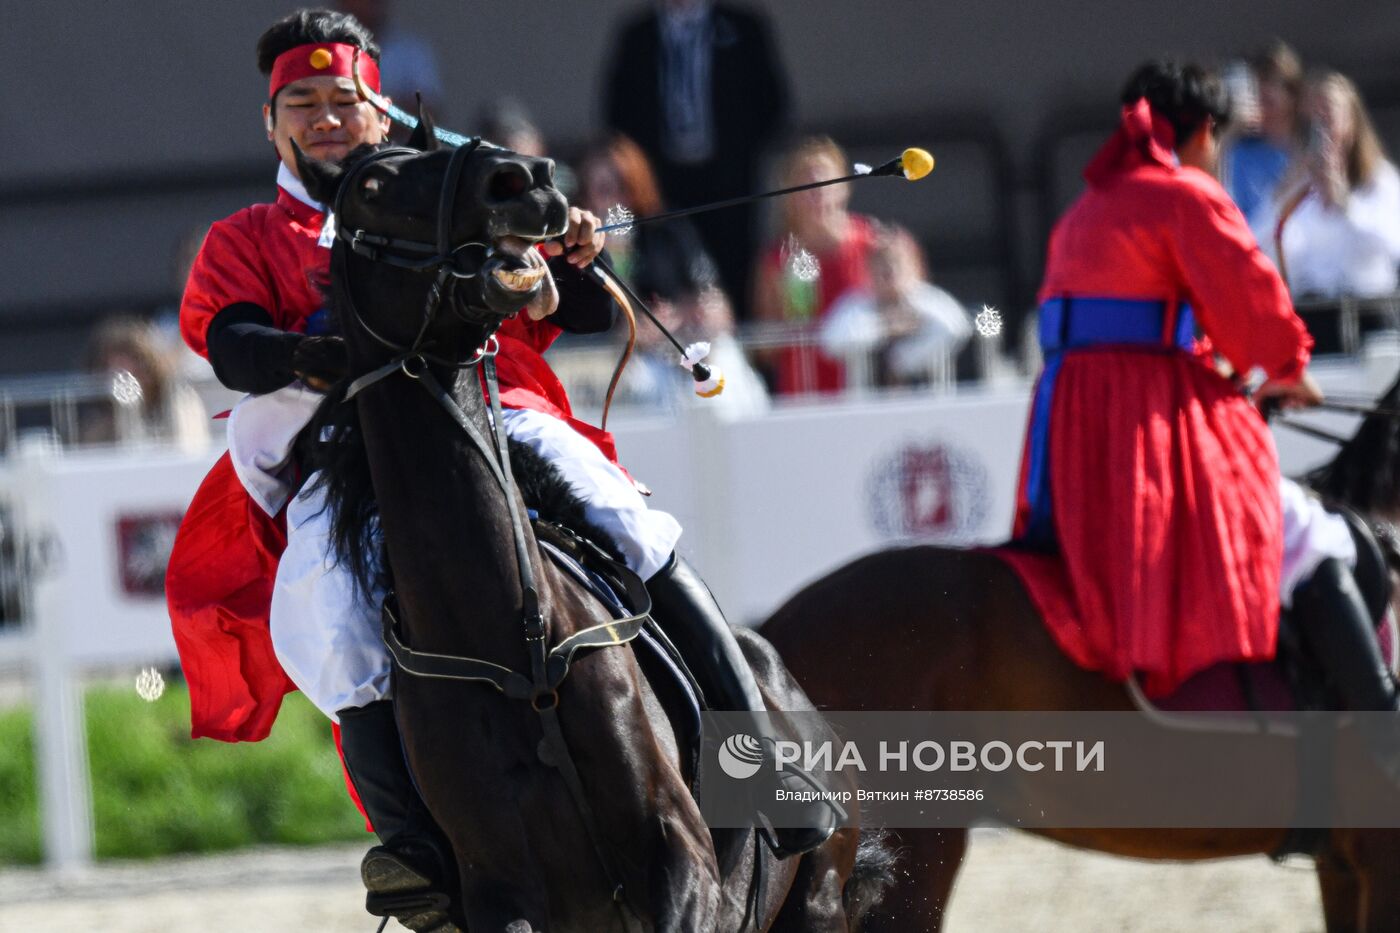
1011 882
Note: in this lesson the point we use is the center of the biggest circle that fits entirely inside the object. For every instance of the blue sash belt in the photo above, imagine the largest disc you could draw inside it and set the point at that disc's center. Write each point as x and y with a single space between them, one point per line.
1078 323
1072 323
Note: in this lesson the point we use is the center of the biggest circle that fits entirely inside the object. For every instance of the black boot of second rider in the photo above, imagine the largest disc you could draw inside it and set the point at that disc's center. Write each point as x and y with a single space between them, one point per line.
1335 625
687 611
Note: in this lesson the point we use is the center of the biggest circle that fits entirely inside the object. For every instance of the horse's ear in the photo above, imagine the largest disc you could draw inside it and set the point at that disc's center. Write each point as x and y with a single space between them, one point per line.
320 178
424 138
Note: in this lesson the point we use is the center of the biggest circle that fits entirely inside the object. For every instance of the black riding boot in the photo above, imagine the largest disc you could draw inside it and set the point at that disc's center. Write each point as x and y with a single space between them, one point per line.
406 875
686 609
1333 620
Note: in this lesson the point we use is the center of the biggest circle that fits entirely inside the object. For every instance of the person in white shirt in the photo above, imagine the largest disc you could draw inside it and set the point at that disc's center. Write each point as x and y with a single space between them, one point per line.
1344 236
908 329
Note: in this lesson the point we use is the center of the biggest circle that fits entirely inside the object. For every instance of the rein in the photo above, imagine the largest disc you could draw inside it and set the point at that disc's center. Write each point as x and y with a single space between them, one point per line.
1321 434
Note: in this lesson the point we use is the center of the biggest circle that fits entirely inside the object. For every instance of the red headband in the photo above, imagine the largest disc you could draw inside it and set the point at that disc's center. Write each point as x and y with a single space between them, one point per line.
320 58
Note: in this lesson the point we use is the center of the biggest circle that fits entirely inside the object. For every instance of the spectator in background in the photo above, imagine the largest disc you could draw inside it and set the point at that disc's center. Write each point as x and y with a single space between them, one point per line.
507 122
408 65
909 329
814 226
171 411
166 318
658 260
699 87
1344 236
667 265
1267 101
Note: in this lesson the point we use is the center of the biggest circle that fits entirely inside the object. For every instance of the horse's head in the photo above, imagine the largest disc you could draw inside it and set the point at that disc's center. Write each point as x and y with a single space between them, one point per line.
422 234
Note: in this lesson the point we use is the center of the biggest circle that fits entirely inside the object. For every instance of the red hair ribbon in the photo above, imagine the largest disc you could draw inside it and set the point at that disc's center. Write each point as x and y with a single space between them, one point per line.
1143 137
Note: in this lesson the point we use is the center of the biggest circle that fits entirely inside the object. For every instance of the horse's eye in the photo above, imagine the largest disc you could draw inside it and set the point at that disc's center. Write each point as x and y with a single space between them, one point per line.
371 186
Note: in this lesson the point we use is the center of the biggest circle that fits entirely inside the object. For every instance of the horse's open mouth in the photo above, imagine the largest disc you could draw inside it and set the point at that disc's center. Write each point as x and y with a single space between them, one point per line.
519 280
513 267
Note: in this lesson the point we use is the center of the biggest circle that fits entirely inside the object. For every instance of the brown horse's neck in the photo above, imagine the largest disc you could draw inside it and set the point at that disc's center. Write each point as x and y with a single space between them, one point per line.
445 520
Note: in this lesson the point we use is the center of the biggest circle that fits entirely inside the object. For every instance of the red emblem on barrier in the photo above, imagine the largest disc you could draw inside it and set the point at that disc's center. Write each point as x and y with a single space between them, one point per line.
143 550
928 490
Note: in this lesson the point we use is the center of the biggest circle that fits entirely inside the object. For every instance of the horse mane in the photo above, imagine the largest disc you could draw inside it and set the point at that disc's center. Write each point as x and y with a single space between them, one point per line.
332 446
1364 472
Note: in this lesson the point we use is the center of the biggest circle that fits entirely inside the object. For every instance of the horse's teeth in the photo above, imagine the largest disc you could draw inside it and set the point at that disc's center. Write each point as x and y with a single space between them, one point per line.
519 281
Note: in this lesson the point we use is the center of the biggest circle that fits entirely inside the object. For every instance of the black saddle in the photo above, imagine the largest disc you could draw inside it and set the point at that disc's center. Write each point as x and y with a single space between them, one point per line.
666 672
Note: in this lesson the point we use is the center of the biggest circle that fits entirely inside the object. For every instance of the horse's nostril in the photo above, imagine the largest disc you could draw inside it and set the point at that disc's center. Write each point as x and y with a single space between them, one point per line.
510 181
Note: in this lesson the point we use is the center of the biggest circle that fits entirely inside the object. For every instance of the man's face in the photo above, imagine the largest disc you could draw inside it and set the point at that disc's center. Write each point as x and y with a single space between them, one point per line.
325 117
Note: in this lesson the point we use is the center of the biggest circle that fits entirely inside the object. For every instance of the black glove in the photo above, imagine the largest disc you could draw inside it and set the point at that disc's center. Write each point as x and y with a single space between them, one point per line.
321 359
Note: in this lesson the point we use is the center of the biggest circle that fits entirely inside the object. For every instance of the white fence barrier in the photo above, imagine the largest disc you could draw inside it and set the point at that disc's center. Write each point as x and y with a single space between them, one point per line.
769 504
93 529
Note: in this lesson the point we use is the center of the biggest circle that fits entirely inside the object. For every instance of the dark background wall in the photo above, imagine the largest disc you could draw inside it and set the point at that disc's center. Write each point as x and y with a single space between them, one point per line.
128 124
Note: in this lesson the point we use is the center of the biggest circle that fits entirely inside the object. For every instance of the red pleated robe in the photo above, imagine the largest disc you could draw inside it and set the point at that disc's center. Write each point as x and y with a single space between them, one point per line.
1163 477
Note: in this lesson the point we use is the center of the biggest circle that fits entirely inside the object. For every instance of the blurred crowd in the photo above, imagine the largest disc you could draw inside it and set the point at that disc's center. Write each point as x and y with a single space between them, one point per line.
1311 175
812 297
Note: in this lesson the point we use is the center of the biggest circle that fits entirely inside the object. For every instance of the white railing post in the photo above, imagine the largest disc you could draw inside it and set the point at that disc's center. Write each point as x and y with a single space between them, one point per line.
60 736
60 744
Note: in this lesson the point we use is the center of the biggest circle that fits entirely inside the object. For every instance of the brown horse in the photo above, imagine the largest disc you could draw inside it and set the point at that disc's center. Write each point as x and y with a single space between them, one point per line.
957 631
564 798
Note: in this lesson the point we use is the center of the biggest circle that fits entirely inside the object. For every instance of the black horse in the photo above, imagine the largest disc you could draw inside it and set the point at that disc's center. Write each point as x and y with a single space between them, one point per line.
566 803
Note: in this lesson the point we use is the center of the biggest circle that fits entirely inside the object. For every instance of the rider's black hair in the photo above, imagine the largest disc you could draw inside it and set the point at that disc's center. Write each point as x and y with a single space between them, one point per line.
1186 95
306 26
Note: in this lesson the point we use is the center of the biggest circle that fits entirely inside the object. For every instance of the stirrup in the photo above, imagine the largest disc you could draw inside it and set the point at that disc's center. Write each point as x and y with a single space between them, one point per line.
400 889
797 840
793 840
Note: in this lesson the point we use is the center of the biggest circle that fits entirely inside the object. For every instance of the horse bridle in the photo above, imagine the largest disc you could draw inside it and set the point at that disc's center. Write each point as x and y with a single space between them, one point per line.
418 256
548 666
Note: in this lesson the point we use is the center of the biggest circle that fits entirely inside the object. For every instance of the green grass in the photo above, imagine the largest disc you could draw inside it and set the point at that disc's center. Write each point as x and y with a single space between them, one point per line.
157 792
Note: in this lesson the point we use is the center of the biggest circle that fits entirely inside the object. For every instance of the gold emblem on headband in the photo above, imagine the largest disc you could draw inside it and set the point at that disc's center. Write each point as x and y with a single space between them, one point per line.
321 58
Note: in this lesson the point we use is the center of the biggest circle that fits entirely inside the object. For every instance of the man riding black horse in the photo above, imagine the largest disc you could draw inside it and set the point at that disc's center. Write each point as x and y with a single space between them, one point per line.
254 307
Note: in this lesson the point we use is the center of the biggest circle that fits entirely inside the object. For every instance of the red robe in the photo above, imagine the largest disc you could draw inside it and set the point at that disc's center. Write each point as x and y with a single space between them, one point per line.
1163 478
221 571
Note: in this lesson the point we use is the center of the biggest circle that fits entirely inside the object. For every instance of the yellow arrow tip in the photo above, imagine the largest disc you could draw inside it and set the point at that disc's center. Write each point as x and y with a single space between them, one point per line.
916 163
